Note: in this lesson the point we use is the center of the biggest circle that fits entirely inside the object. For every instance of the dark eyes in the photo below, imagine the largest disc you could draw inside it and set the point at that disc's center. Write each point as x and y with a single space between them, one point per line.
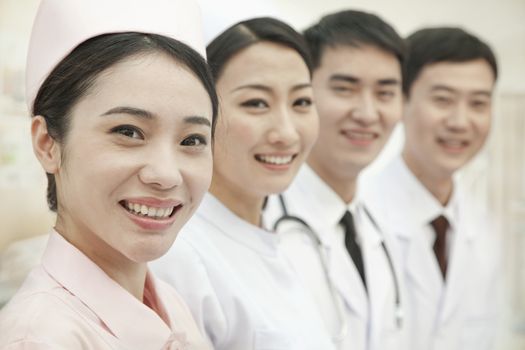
303 102
255 103
129 131
133 132
194 140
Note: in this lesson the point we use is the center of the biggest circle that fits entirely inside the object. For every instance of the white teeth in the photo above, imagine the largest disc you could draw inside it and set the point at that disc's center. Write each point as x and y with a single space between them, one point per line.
152 212
276 160
453 143
360 135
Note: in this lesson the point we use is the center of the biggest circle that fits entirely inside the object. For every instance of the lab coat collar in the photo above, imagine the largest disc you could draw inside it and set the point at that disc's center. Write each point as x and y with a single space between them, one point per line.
217 214
418 205
111 303
322 209
321 199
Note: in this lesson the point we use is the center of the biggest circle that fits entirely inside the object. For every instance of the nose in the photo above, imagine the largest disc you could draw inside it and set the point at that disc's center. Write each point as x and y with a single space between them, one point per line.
366 110
458 119
161 168
283 129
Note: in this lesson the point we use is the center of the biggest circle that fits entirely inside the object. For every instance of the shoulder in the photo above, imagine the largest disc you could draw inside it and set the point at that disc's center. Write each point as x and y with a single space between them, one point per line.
41 318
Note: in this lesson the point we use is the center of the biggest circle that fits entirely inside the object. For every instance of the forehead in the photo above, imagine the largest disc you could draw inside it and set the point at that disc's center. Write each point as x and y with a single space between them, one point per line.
366 60
265 62
155 82
466 76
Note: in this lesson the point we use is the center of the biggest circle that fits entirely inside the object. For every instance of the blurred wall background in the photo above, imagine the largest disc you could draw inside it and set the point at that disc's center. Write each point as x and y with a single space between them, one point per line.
496 176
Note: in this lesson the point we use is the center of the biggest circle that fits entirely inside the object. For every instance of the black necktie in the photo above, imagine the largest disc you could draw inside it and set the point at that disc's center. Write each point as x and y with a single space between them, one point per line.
440 225
351 244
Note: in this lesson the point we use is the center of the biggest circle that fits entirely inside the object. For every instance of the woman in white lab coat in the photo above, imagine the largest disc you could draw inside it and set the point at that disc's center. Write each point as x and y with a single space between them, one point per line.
227 266
122 111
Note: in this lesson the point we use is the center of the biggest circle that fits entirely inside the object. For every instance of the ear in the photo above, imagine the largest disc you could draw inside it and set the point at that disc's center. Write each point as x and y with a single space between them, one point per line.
45 147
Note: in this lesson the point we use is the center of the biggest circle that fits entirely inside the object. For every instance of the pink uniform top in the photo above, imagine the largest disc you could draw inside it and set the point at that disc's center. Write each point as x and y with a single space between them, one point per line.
68 302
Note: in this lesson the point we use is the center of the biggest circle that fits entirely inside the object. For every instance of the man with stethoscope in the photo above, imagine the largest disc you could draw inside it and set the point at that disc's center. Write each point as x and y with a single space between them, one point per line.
328 235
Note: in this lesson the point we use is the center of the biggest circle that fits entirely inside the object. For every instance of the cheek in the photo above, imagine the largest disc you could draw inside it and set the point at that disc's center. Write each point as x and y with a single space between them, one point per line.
308 128
197 174
240 134
331 110
390 116
482 125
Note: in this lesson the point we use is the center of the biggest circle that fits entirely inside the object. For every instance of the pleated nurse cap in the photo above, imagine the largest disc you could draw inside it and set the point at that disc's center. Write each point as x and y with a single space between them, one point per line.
61 25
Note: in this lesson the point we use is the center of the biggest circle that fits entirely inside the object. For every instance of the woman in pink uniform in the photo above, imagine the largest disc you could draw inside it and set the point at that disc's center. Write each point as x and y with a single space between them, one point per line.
123 108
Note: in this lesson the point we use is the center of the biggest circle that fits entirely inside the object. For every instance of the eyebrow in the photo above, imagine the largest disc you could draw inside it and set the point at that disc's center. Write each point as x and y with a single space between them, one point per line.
344 78
354 80
440 87
141 113
269 89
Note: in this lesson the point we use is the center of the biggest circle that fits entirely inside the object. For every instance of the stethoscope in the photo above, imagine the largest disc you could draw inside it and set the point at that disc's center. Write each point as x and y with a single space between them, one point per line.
336 298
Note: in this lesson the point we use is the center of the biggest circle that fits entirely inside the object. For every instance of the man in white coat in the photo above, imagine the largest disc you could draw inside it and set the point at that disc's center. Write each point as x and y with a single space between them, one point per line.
450 256
337 250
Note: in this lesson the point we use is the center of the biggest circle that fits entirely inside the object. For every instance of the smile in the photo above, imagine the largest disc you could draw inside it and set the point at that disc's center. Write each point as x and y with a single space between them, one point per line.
275 160
143 210
360 135
453 145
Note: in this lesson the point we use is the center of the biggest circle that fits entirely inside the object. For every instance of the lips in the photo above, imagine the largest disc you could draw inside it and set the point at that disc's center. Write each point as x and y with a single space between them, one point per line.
453 144
360 137
150 213
275 159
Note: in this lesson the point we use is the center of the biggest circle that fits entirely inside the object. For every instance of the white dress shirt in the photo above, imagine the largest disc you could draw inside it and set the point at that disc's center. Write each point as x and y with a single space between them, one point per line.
242 292
461 312
370 317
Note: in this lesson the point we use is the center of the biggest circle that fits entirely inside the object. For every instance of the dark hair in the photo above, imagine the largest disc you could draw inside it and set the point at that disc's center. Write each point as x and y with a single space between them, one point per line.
353 28
444 44
252 31
75 74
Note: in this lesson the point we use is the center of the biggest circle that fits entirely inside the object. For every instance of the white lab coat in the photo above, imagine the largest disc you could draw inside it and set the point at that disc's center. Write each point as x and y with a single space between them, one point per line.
371 321
462 313
240 290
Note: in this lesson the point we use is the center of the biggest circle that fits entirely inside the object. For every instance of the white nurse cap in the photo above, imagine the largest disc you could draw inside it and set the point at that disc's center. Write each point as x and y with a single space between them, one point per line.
61 25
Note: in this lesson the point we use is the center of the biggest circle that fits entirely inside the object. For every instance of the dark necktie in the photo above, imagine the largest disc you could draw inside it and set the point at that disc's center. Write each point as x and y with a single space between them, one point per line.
351 244
440 225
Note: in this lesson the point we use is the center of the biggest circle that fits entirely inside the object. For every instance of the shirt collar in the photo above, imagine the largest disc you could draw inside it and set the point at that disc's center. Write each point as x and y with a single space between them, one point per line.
121 312
319 198
420 206
224 220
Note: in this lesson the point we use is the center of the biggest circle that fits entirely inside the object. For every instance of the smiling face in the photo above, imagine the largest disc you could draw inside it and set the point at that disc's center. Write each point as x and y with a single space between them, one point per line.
267 123
136 160
447 117
358 97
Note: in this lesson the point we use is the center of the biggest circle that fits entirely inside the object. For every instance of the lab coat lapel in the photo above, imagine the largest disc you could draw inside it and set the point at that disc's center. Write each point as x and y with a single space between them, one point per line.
420 267
378 272
347 281
461 264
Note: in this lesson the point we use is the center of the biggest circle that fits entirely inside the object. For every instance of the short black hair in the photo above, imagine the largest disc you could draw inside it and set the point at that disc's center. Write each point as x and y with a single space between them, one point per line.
353 28
443 44
72 78
249 32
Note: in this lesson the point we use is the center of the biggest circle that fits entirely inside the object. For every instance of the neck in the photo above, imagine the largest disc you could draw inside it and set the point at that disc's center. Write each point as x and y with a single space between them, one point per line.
439 186
247 207
344 186
128 274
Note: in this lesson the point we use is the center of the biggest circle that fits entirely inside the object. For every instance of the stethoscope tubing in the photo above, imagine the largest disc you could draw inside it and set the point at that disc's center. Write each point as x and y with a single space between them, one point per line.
398 306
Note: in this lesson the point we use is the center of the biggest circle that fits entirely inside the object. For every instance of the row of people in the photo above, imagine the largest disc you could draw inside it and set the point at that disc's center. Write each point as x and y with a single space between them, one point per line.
286 250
